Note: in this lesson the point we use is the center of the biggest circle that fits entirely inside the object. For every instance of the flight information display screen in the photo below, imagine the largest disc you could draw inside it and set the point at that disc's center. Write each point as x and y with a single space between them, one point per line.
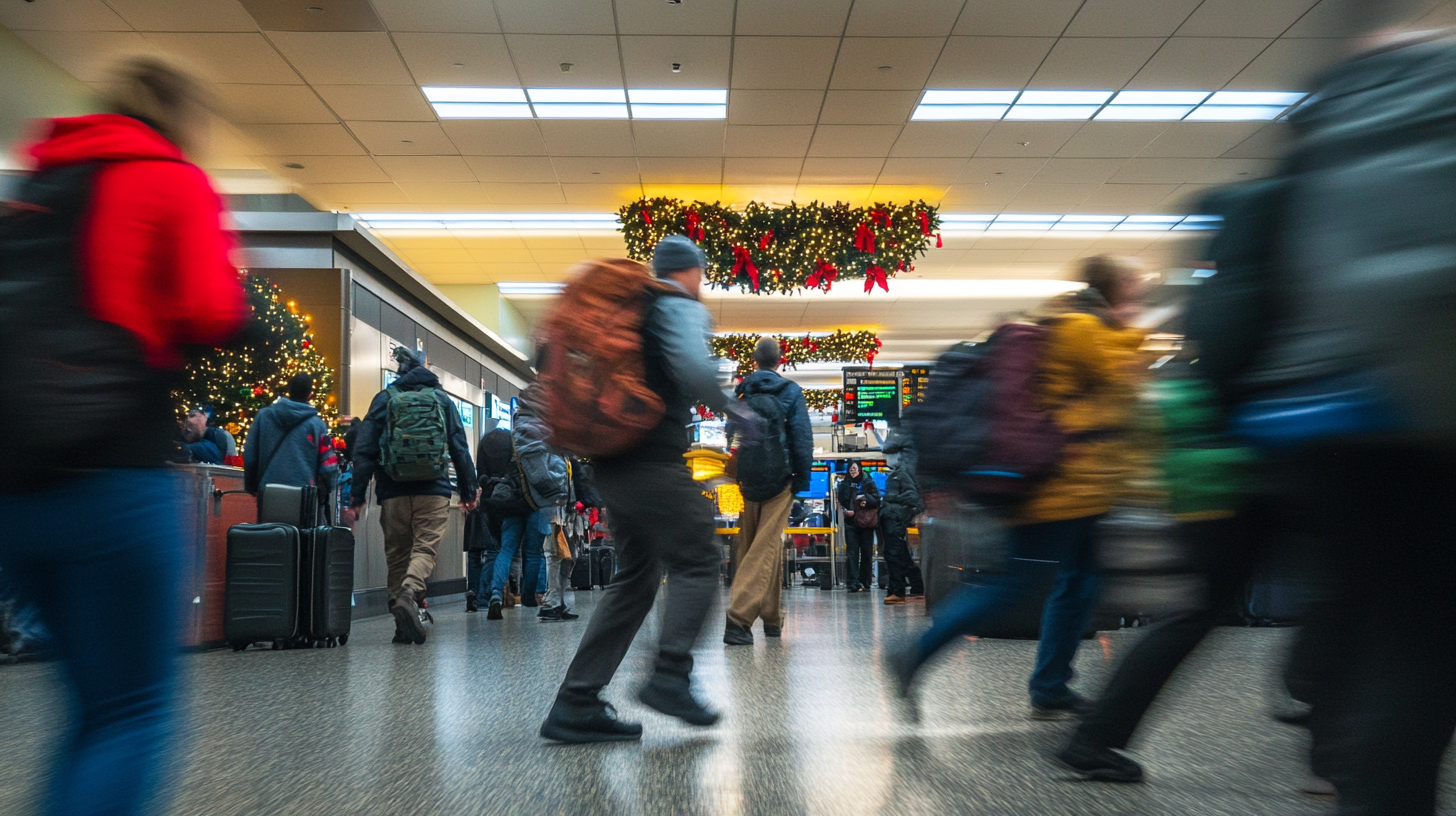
871 395
913 384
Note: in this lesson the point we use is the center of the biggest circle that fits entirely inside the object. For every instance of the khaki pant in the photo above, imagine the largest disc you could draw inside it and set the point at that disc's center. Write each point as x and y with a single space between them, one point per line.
758 581
413 528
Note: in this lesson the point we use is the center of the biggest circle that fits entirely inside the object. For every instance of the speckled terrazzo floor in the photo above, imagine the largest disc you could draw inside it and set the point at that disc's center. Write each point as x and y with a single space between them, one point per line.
450 727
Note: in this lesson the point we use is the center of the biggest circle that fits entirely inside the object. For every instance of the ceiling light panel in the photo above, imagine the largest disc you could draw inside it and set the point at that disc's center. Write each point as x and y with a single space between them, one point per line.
1031 222
481 110
465 94
1124 106
526 222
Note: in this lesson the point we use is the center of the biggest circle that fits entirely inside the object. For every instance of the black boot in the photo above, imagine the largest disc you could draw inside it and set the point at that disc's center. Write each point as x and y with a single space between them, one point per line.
735 635
1100 764
587 721
407 617
470 605
672 695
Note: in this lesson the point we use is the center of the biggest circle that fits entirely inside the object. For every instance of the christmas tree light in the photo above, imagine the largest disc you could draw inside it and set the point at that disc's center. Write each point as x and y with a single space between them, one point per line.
246 375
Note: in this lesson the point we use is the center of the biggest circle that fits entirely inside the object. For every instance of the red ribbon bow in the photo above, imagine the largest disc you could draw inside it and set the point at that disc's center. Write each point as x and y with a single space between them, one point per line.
764 241
695 229
937 241
881 216
647 218
822 276
924 222
876 275
743 262
864 238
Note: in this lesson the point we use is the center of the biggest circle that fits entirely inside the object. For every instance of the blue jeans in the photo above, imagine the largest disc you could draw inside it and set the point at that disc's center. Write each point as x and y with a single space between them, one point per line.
514 530
1071 543
106 584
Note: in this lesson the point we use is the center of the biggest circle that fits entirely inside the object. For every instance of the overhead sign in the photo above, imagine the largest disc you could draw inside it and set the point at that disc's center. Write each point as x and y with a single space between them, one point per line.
871 395
912 387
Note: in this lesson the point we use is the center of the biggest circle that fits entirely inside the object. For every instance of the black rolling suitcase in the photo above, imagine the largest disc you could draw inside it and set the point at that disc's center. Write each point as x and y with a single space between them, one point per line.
603 562
288 504
263 563
326 605
581 574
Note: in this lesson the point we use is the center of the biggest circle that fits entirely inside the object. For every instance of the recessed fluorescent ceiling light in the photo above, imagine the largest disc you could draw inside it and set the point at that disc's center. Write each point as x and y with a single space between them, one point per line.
579 103
529 222
460 94
1141 106
511 288
478 103
1071 112
671 103
962 222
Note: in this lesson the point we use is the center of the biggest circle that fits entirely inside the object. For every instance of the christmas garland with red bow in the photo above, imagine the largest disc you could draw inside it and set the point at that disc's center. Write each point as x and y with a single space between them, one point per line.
765 249
839 347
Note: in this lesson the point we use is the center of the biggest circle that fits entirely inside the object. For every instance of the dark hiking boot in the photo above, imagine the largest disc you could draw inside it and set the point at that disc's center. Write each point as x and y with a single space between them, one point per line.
673 696
772 631
400 636
494 611
567 614
587 722
1073 706
735 635
470 605
1098 764
407 617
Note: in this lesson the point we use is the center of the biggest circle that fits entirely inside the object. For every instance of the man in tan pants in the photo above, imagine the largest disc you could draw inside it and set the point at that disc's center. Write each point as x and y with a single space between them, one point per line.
415 506
769 474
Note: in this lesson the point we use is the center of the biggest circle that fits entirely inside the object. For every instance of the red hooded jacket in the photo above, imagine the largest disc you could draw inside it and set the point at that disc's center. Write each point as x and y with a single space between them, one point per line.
154 254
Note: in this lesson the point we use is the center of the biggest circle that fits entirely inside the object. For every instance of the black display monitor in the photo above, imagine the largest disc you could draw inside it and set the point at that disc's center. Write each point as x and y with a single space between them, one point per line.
871 395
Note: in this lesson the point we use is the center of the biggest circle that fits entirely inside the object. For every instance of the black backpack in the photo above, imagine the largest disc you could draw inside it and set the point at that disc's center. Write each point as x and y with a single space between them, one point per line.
71 386
763 468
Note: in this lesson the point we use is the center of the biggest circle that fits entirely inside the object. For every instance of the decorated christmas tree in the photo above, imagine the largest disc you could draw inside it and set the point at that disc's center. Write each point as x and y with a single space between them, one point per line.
241 378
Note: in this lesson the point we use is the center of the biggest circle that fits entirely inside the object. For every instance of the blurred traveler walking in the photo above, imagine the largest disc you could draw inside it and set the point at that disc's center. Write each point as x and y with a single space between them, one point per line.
1353 393
546 484
901 506
769 474
114 260
288 444
859 497
660 519
523 521
1221 525
410 436
1088 375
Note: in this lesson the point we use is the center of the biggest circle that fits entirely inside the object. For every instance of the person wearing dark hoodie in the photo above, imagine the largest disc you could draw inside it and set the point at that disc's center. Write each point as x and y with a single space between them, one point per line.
483 529
901 505
414 512
758 582
857 491
132 232
288 444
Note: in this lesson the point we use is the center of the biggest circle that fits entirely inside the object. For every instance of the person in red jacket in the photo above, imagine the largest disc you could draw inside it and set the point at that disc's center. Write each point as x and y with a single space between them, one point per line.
141 248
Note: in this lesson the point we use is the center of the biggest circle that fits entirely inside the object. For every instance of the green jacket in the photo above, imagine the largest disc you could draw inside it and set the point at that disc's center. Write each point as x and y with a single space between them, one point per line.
1208 474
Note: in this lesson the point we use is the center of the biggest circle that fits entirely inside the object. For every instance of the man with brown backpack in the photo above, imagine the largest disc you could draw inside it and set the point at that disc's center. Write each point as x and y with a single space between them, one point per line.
623 359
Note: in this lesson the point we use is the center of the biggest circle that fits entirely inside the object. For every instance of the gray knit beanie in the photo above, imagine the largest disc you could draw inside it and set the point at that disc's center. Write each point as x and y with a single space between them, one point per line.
676 253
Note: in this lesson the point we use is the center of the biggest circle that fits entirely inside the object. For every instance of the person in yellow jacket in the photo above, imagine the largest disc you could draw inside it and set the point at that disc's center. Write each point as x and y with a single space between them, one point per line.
1090 371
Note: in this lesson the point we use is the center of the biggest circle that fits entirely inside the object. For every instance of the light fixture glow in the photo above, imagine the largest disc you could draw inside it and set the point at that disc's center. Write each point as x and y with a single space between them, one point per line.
583 111
932 113
577 95
1144 113
463 94
640 111
1076 222
1280 98
529 288
529 222
672 96
1236 113
1159 98
481 110
1051 112
968 97
1063 97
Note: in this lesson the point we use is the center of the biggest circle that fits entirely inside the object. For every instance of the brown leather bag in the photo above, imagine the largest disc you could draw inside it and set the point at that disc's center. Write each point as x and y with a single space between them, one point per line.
865 516
591 371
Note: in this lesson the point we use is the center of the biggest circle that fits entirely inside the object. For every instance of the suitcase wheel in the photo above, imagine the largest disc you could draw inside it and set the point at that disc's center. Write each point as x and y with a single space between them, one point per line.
278 645
239 645
343 639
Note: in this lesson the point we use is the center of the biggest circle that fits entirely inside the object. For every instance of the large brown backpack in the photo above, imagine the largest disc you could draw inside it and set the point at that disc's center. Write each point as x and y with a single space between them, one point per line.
591 372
